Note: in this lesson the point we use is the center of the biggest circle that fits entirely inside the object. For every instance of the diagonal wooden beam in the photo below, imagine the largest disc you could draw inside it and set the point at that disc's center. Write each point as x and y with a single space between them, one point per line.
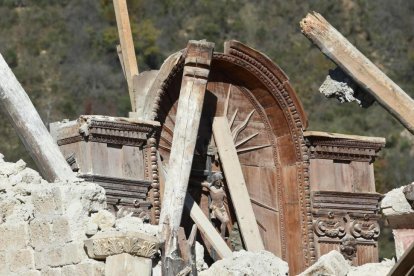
127 49
236 185
205 227
190 105
358 67
30 128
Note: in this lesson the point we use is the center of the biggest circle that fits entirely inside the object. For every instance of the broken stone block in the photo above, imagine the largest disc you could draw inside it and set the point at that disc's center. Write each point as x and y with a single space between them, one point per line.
48 271
31 273
106 244
331 264
370 269
127 265
20 260
47 201
87 268
249 264
91 229
40 233
61 231
8 169
104 219
131 224
13 236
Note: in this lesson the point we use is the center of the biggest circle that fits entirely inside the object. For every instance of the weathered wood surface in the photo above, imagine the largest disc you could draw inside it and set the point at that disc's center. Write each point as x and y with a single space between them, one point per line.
237 185
206 228
141 85
359 68
196 70
30 128
145 109
405 265
127 54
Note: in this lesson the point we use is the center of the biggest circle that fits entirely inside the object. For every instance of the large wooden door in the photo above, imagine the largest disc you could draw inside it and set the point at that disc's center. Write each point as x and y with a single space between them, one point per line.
267 123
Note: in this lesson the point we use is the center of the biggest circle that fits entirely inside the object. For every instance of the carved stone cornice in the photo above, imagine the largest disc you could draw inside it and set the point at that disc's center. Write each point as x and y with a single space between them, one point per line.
342 147
137 244
110 130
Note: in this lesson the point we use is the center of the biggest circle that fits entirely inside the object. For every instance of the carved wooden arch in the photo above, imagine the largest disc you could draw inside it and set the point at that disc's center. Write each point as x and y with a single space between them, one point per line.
258 88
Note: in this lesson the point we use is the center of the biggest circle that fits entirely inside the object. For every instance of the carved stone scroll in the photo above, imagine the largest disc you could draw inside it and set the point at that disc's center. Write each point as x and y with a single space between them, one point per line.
136 244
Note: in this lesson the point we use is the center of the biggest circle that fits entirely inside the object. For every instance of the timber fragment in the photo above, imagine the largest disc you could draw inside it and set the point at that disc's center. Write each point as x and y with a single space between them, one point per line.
237 185
126 52
30 128
358 67
190 103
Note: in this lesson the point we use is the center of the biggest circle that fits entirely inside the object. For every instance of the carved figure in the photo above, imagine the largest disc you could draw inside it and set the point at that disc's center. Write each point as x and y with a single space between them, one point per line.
217 194
348 247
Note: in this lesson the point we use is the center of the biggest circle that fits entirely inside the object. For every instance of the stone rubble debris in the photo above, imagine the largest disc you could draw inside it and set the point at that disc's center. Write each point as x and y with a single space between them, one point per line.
42 224
244 263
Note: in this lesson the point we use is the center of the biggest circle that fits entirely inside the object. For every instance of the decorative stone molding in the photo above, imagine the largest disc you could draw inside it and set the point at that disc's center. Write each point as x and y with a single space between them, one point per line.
323 145
136 244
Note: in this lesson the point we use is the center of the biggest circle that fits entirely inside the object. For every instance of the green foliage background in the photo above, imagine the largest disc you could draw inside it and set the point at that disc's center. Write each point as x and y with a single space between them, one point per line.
63 52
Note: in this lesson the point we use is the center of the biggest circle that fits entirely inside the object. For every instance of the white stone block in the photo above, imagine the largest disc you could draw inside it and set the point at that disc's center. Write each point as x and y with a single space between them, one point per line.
47 201
61 231
21 260
13 236
127 265
51 271
40 233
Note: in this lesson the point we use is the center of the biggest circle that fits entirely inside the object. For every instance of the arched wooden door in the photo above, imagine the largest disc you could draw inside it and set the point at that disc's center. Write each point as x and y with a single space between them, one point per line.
267 121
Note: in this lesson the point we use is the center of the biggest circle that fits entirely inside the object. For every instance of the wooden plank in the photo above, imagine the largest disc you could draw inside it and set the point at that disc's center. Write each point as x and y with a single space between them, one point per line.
359 68
310 133
145 108
322 175
26 121
130 65
206 228
343 177
190 105
237 185
405 264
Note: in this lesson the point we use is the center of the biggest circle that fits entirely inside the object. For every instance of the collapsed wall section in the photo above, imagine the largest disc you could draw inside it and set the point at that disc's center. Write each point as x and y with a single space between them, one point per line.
43 224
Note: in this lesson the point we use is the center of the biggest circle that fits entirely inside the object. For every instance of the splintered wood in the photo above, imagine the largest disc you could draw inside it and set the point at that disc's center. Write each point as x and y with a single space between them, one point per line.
237 185
368 76
127 51
193 86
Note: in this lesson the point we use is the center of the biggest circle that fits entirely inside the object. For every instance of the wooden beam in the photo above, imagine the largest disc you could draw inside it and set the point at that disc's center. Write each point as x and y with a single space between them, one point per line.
190 105
145 109
30 128
127 52
368 76
236 185
205 227
405 265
